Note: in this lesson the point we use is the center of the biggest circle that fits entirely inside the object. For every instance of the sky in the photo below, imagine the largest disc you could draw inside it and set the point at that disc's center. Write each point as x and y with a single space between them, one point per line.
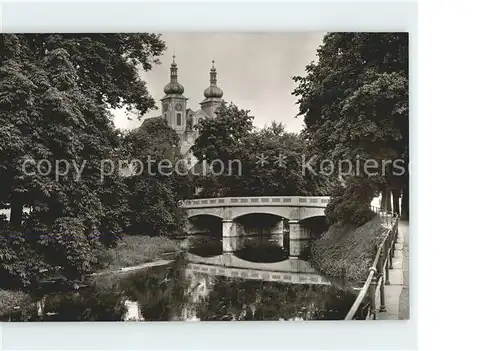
253 69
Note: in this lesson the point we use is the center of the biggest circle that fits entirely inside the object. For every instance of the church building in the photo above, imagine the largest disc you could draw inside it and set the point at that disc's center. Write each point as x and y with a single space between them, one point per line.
180 117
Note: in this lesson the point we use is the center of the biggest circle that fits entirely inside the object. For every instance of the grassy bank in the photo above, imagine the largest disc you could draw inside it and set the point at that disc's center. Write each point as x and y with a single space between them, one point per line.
130 251
134 250
10 299
346 253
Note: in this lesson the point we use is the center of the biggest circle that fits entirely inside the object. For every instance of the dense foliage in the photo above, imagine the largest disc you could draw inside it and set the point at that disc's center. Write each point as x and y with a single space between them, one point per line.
350 203
345 253
70 245
10 299
20 263
250 162
355 104
56 91
155 190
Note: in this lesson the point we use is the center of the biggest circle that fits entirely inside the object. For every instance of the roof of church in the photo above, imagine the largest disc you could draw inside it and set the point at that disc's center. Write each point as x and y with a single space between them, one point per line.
202 113
213 91
197 113
173 87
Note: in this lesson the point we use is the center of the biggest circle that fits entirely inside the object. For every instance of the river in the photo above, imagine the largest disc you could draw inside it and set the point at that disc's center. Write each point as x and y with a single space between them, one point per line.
179 292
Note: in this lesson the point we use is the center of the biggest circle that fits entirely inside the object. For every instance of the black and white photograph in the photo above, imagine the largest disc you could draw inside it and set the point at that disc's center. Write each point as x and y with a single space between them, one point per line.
204 176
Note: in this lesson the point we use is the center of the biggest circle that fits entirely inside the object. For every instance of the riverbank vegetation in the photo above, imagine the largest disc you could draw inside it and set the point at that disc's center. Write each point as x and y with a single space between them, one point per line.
354 100
271 158
54 108
56 94
135 250
10 299
346 252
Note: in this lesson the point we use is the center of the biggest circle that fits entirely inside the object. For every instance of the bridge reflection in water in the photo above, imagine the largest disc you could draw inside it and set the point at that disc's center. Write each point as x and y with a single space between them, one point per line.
192 291
288 271
246 261
290 222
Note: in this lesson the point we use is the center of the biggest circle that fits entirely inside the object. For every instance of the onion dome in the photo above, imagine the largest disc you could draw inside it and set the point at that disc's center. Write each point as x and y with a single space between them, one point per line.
213 91
174 87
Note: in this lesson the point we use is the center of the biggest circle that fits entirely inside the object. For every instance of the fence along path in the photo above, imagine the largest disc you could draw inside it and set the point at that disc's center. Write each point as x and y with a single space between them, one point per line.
378 278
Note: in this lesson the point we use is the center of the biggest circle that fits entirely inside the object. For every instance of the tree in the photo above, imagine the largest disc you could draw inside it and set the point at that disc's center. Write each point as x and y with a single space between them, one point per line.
273 165
255 162
221 139
70 245
55 94
355 103
56 91
156 189
350 203
20 263
114 195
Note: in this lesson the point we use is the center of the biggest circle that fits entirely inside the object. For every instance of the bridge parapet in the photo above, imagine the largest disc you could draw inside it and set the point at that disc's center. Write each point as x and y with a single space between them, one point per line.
293 201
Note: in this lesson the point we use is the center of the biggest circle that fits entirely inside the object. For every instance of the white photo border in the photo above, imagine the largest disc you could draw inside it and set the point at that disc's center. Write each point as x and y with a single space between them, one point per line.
115 16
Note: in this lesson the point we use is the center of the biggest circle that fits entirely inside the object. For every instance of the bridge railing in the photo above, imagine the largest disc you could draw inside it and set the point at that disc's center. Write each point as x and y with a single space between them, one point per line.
378 277
303 201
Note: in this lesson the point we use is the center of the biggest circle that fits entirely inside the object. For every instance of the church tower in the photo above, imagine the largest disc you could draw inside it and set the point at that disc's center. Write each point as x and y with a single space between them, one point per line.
213 94
173 104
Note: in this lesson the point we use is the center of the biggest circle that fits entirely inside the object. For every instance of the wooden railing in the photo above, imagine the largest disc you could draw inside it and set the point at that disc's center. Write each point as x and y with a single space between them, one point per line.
379 272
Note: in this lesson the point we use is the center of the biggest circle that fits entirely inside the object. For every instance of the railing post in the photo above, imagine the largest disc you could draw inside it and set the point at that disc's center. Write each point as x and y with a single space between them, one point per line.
382 293
391 256
394 238
373 288
381 264
388 256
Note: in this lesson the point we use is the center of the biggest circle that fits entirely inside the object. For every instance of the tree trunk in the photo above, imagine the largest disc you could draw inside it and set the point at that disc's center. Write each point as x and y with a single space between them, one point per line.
16 214
396 194
405 204
385 201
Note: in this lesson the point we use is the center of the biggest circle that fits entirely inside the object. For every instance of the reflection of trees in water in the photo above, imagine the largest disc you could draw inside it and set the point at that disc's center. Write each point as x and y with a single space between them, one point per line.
91 304
180 296
174 293
205 245
161 294
237 299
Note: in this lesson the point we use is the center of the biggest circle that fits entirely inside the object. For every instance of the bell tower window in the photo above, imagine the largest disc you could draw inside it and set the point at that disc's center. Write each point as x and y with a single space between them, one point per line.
179 119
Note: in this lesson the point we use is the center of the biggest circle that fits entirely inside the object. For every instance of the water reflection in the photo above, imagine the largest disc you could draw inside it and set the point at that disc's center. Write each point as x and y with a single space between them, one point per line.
176 293
257 248
205 245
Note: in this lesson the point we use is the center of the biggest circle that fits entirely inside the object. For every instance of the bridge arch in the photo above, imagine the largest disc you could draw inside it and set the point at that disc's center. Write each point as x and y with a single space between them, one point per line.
204 224
298 216
210 211
311 212
260 232
283 212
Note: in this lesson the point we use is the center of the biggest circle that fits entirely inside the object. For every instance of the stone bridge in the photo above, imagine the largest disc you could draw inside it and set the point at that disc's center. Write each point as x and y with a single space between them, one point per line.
240 218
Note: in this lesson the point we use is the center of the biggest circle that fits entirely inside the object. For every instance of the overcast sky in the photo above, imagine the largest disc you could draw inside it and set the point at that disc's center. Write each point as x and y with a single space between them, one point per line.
253 70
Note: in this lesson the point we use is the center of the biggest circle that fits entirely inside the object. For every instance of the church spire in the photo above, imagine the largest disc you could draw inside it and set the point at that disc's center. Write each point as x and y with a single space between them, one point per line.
173 70
213 91
213 75
173 87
